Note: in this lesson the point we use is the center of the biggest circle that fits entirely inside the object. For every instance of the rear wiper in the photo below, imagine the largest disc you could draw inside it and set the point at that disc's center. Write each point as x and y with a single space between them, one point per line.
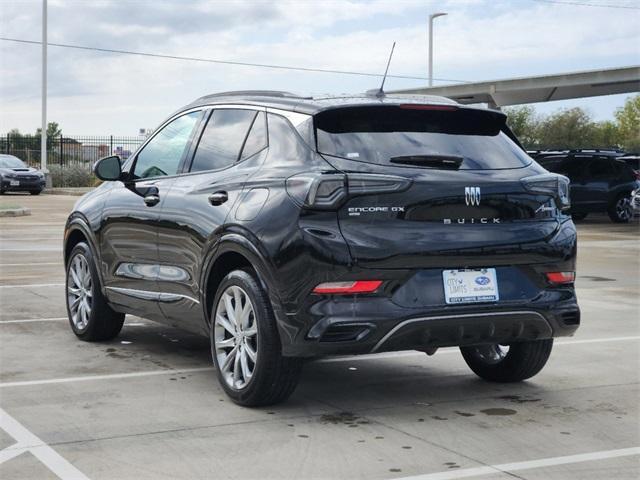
445 162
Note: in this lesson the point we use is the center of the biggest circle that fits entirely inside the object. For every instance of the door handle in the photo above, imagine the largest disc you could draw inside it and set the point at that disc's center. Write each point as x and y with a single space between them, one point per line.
218 198
152 199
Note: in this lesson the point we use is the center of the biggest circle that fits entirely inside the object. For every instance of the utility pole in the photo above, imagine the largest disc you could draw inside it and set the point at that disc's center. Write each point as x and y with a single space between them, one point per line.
43 136
431 17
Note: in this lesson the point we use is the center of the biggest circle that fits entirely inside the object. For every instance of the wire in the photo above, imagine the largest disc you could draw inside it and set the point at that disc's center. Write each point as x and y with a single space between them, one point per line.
599 5
224 62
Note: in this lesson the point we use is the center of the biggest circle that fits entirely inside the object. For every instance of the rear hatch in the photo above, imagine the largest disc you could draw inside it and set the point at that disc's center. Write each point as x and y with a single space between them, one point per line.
436 186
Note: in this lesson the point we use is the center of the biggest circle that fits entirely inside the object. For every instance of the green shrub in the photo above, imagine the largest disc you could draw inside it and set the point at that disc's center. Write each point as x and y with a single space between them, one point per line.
71 176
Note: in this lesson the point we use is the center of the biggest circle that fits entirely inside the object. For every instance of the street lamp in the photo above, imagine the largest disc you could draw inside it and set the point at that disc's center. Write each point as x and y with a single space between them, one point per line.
431 17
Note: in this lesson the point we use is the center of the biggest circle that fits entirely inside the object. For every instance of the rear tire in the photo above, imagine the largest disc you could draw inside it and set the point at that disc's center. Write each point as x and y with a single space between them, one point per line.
522 360
35 192
90 317
245 345
621 210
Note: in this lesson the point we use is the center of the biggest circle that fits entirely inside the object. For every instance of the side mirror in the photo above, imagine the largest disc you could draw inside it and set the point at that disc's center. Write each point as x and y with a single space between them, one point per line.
108 168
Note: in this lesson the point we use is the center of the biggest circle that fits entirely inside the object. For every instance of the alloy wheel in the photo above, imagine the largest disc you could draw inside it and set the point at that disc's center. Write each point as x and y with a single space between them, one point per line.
79 291
235 337
491 354
624 208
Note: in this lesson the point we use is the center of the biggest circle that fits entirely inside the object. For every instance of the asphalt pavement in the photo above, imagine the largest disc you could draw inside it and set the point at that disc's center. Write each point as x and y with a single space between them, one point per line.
147 405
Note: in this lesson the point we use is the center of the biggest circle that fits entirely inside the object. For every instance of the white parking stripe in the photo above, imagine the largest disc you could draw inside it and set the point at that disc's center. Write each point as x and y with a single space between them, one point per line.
517 466
114 376
28 264
30 320
28 442
34 285
87 378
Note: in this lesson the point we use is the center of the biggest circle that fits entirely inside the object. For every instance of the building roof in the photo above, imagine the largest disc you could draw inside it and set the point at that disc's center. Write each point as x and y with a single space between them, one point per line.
518 91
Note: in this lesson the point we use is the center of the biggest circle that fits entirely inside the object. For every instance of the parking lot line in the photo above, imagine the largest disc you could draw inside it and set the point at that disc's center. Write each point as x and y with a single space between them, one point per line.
526 465
28 442
114 376
34 285
28 264
30 320
110 376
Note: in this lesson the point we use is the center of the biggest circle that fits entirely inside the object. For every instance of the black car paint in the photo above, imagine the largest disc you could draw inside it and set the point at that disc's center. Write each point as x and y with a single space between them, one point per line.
172 251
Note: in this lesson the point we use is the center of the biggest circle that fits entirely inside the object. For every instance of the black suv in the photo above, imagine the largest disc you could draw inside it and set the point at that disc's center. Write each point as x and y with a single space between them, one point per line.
601 181
285 227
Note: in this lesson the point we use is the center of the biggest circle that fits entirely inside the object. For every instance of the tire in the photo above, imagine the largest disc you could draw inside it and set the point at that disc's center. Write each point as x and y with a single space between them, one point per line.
100 322
522 360
621 211
35 192
579 216
273 377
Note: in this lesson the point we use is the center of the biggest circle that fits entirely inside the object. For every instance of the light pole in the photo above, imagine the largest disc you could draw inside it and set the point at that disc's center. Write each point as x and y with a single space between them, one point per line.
431 17
43 134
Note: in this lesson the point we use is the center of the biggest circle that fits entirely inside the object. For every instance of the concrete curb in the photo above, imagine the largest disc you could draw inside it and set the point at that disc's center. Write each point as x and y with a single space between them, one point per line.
68 191
15 212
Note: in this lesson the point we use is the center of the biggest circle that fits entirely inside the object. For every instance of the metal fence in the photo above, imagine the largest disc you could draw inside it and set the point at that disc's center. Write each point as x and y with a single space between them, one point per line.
67 151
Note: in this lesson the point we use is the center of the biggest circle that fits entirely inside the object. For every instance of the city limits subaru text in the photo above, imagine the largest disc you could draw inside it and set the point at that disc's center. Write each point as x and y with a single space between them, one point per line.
286 228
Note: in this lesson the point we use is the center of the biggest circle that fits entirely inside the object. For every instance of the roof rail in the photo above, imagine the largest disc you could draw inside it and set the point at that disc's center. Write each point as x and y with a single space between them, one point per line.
599 149
251 93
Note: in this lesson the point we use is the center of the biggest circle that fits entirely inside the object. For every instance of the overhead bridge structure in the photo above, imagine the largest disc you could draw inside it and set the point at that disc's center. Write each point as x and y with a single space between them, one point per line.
518 91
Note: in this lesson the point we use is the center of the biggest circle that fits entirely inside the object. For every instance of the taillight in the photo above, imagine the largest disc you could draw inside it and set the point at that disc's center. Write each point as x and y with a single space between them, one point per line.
329 191
345 288
561 278
550 184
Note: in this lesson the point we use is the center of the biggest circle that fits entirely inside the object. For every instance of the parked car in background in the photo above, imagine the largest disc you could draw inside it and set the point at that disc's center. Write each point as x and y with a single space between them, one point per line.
633 161
600 181
16 176
286 227
635 203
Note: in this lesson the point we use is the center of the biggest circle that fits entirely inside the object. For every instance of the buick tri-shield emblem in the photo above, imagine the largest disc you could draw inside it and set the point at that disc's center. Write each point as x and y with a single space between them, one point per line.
472 196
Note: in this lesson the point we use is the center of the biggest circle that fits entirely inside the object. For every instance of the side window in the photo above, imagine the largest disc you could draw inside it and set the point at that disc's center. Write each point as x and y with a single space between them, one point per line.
162 155
222 139
600 169
257 138
285 144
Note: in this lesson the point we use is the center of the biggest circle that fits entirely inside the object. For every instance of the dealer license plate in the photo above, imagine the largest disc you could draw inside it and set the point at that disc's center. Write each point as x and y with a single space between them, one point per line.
14 183
470 286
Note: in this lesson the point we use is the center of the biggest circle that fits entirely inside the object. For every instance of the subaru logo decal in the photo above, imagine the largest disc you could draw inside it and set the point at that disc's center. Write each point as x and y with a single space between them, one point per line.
472 196
483 280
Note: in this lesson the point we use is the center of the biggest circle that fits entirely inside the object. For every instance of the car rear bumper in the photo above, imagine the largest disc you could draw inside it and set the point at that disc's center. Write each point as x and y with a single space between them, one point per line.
369 325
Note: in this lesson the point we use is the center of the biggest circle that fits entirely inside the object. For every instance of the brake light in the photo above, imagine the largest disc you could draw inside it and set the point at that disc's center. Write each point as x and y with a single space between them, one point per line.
329 191
413 106
637 174
561 278
550 184
344 288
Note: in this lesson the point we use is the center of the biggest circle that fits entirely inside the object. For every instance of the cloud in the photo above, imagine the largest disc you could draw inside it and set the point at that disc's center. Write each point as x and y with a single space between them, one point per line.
92 92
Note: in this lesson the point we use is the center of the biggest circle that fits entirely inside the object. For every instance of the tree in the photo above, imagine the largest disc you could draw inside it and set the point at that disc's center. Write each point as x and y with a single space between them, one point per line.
53 130
524 123
571 128
628 123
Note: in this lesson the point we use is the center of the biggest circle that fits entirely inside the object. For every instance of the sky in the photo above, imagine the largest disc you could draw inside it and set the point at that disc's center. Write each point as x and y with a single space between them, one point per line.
96 93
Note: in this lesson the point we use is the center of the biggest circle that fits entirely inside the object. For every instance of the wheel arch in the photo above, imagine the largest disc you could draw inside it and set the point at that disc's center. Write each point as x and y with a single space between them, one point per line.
76 231
234 251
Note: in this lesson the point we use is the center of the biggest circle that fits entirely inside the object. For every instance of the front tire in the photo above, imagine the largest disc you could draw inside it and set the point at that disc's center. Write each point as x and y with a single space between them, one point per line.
90 317
504 364
35 192
621 210
245 345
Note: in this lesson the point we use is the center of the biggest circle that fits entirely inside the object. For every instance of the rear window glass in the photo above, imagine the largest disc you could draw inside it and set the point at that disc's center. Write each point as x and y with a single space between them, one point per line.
380 134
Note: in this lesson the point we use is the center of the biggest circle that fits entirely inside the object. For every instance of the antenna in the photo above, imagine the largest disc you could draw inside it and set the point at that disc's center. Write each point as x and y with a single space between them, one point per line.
380 93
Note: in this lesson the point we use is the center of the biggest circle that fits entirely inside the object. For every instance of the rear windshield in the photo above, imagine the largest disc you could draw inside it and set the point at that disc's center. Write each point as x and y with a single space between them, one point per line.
380 134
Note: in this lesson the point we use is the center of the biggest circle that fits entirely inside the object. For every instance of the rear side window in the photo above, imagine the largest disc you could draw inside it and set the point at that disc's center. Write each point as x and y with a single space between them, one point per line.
222 139
393 135
257 138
